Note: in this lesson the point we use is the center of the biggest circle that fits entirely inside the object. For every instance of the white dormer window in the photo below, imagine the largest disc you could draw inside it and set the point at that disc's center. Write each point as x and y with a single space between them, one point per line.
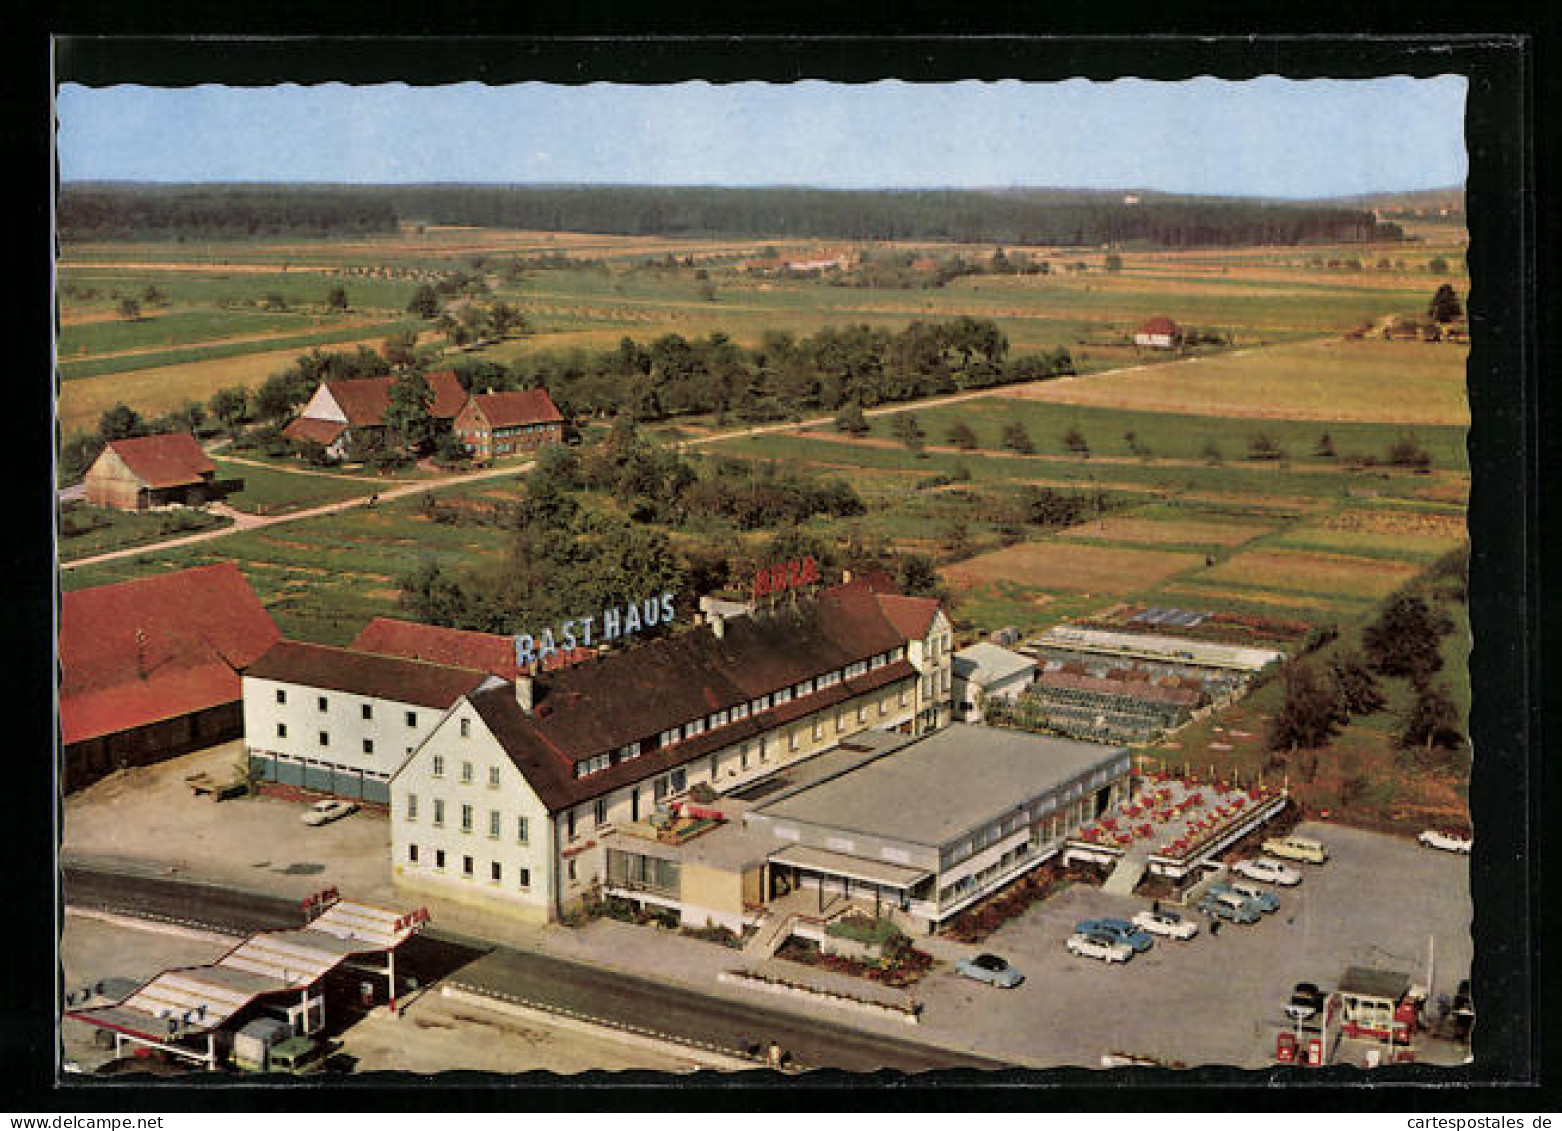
740 712
625 753
783 696
829 679
668 737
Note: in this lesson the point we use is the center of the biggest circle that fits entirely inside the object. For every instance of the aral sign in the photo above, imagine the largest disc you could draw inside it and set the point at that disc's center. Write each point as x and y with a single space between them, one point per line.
599 628
787 575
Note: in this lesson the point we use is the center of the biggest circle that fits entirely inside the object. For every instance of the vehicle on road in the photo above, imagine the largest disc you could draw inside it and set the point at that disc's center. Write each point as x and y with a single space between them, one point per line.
300 1056
324 812
1099 946
1120 930
1167 923
1303 848
991 969
1265 900
1448 842
1230 906
1267 871
1306 1000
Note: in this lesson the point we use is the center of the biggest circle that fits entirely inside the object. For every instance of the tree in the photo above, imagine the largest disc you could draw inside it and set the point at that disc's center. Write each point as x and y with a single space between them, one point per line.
336 298
121 423
454 329
130 310
1325 446
908 431
1406 639
1438 266
1135 445
1432 720
424 302
1264 447
1407 452
1074 441
1211 453
408 418
1355 687
188 417
230 406
961 436
1445 306
1016 438
504 318
154 297
1114 263
400 347
1309 715
275 300
850 419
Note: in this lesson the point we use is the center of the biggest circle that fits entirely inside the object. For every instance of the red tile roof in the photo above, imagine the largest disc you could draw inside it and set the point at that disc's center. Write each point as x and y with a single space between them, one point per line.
155 648
506 410
365 673
364 399
456 647
170 459
1160 324
311 428
911 616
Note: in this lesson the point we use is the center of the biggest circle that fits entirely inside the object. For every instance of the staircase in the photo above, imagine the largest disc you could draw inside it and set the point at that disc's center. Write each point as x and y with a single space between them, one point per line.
1125 877
774 931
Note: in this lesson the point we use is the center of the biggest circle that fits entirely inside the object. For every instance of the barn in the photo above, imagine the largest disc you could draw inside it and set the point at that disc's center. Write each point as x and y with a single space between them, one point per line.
1159 333
339 410
152 471
150 668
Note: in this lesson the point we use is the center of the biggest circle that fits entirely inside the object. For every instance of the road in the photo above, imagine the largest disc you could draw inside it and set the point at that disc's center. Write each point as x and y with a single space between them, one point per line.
553 983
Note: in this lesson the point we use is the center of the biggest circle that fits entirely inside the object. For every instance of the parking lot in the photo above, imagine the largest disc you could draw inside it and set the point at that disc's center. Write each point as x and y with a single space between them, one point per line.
1212 1000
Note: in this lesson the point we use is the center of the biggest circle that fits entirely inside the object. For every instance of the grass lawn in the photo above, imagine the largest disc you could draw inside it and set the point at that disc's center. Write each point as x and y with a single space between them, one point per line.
279 492
102 529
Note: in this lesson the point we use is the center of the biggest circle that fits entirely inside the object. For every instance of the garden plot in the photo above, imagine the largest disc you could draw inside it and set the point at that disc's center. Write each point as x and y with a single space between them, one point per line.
1304 571
1149 531
1059 565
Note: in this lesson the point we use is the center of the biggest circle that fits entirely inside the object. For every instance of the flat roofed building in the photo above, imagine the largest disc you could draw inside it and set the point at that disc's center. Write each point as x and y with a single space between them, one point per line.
339 721
986 671
1068 639
572 754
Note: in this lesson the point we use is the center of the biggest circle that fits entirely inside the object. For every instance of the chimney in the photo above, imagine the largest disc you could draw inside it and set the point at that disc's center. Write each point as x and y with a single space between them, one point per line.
718 625
525 692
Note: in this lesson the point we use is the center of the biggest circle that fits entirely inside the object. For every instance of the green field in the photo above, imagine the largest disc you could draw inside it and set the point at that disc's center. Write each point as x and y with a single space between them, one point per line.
104 529
268 492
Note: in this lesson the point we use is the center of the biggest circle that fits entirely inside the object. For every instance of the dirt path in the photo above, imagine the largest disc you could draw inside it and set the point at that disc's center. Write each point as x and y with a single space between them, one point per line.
310 471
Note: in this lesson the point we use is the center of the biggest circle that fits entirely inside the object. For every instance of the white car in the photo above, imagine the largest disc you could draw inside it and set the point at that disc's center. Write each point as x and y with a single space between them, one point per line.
1097 946
1167 923
1268 871
324 812
1448 842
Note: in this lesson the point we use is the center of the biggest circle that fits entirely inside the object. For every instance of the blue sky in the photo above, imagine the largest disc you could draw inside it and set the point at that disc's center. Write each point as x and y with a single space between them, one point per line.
1266 137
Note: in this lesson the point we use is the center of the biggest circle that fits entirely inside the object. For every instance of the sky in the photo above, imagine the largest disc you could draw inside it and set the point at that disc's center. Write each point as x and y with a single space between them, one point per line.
1264 137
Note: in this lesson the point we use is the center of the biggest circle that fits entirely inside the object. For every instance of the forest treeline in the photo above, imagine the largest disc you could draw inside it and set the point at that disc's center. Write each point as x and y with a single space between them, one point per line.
102 211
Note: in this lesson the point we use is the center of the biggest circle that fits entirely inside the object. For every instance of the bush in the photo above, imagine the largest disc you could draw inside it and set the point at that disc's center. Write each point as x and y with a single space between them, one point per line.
873 932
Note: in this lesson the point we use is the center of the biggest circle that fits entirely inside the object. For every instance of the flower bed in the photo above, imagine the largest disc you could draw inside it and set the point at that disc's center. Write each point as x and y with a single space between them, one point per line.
981 919
860 928
902 963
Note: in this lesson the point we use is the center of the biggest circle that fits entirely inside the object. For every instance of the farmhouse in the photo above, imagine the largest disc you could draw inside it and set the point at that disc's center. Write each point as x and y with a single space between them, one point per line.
151 668
1159 333
152 471
502 424
341 410
510 802
985 671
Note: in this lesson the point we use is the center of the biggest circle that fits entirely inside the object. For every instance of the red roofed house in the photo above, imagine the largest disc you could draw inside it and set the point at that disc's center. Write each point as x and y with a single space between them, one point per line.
501 424
151 471
1159 333
150 668
486 651
339 409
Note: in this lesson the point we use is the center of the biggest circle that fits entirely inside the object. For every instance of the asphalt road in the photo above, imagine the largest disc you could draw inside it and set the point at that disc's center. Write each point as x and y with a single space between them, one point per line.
557 984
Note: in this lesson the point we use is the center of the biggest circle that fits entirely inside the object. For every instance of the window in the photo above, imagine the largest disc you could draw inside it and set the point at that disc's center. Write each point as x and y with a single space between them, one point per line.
493 823
601 811
412 718
439 813
569 824
281 695
439 859
466 728
720 718
680 780
783 696
795 737
412 853
743 757
862 712
466 818
829 679
634 804
493 777
694 728
840 721
281 730
495 872
466 866
368 746
439 765
466 773
367 710
412 807
626 752
520 829
524 876
572 871
659 789
904 692
740 711
320 702
818 729
325 738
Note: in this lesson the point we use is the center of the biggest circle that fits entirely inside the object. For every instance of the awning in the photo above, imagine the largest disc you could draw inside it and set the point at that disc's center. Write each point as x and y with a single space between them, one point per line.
851 867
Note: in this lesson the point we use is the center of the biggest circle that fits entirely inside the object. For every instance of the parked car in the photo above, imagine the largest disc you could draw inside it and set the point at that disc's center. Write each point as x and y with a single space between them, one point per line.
1167 923
1266 901
324 812
1099 946
991 969
1230 906
1268 871
1120 930
1306 1000
1448 842
1303 848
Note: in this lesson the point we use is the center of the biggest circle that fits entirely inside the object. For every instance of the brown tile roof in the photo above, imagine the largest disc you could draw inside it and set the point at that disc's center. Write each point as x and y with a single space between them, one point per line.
506 410
311 428
455 647
364 399
365 673
911 616
170 459
156 648
1160 324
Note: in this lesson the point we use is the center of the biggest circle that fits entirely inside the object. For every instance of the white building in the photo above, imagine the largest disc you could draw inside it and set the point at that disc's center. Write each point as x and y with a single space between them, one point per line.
508 802
987 671
342 721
